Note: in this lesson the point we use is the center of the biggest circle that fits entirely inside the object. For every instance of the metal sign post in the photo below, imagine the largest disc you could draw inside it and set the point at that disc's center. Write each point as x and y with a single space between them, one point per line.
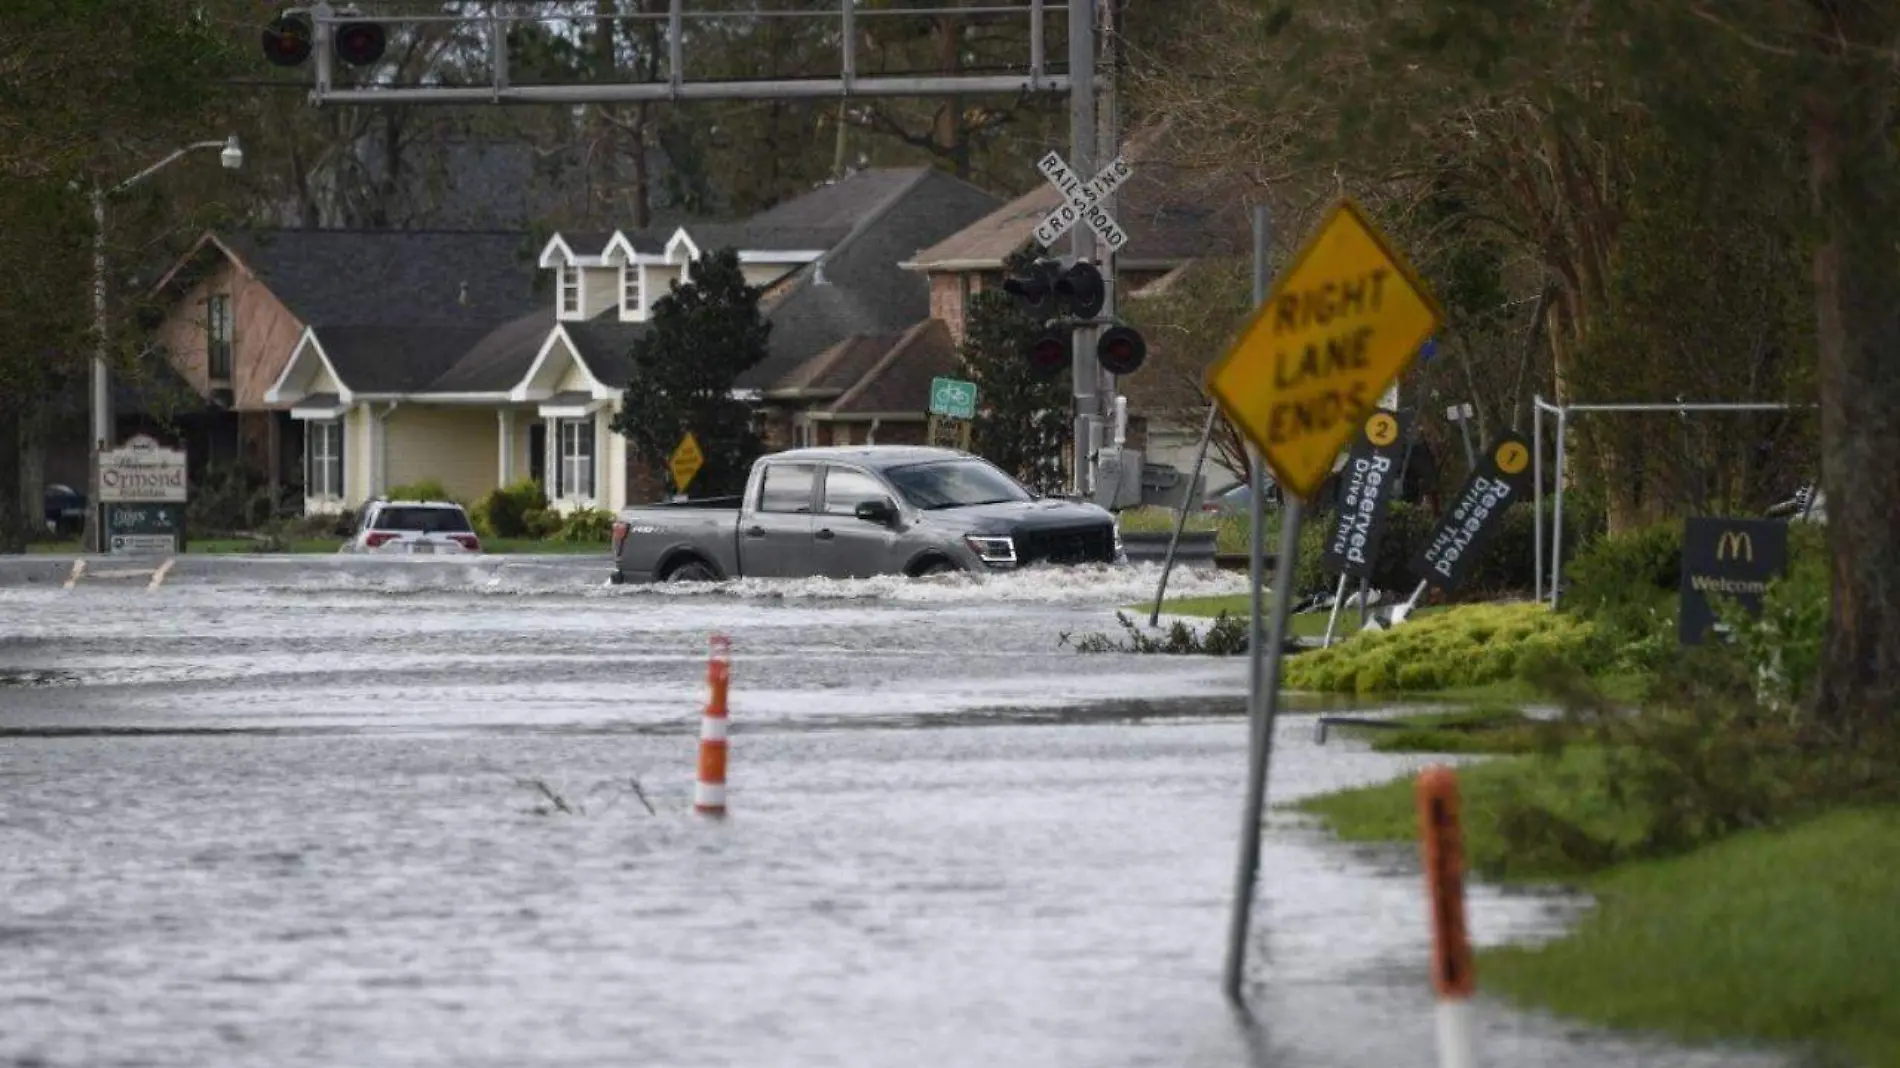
1344 322
1180 521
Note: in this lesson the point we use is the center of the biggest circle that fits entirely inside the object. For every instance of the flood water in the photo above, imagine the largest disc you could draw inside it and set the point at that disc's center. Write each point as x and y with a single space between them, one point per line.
300 815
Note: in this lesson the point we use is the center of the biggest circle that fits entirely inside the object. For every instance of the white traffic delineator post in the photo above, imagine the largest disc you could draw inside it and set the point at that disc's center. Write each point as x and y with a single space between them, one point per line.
709 793
1442 843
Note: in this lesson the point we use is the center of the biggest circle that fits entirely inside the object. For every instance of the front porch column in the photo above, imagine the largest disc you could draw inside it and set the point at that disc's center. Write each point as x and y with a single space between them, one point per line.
505 437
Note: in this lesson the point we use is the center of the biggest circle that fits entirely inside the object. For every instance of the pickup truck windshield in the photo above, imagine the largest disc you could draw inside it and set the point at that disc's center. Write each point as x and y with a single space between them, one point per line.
954 484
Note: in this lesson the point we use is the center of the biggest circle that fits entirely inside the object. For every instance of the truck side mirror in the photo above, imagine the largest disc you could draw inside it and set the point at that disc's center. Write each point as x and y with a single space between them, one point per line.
880 511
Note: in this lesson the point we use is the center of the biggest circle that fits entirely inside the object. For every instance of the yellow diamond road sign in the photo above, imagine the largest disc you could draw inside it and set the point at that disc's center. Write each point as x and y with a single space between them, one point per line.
685 462
1343 321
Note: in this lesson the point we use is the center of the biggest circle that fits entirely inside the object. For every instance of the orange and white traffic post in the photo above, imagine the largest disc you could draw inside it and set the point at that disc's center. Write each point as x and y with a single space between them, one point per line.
1442 842
709 793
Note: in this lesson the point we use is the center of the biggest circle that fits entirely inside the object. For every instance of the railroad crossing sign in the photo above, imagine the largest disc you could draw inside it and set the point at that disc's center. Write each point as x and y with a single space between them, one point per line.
953 397
1341 325
1082 201
685 462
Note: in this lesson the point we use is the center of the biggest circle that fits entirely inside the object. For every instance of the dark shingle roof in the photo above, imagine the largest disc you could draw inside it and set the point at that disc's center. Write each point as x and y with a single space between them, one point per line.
605 345
499 360
857 287
839 367
394 277
900 380
395 359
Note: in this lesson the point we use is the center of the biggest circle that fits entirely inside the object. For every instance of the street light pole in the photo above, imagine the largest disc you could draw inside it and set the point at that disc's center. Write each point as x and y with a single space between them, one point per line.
232 156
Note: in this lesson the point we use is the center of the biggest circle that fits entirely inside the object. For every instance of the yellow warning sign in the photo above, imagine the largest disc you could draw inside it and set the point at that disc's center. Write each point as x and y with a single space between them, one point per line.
1339 325
685 462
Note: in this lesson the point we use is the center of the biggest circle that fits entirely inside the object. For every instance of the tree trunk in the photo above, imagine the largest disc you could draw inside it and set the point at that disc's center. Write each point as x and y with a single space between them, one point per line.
1856 188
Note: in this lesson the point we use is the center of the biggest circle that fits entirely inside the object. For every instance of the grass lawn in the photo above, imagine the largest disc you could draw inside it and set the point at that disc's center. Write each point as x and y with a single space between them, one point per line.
213 546
1786 935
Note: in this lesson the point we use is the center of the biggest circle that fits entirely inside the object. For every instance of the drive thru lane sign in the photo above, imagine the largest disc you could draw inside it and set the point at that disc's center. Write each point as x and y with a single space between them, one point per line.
685 462
1344 320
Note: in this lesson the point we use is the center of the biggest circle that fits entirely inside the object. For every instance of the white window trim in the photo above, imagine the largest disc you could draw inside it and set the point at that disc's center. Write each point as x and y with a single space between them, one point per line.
569 486
633 284
570 291
329 433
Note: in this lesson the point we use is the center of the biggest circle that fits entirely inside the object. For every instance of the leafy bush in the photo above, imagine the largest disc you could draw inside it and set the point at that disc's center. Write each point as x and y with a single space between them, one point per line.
1471 645
503 512
1155 520
586 525
1780 650
427 489
231 496
539 523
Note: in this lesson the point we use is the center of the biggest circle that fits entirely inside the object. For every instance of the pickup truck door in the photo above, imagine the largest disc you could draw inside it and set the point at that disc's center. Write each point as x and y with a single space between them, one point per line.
844 546
775 533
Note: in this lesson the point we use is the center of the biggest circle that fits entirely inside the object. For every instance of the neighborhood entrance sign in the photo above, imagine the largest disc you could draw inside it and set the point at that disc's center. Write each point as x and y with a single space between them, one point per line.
142 492
1337 329
1082 201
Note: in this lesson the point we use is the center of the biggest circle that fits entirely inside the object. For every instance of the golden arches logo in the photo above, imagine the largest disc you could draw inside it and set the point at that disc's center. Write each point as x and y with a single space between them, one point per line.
1735 545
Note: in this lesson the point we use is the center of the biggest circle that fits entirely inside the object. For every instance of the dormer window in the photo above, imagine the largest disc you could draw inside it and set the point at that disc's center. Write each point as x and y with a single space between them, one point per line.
629 291
570 291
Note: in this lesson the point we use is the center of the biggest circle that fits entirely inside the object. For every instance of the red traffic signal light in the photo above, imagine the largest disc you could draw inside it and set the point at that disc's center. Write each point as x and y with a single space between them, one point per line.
360 43
287 40
1121 350
1049 354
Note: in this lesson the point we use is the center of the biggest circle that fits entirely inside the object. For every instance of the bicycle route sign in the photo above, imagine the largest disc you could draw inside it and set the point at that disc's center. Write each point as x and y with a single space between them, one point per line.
953 398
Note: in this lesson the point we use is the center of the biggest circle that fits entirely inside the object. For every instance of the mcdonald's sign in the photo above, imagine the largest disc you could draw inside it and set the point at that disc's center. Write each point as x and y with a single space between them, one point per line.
1735 545
1727 558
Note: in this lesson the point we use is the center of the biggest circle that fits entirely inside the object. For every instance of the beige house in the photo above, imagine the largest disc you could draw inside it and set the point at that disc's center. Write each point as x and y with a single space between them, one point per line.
475 401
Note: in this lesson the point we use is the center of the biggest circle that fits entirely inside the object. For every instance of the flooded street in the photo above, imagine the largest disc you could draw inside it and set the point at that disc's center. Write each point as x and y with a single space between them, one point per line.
292 814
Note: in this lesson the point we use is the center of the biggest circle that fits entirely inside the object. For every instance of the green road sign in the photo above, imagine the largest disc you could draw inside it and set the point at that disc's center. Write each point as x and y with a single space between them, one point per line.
144 527
953 397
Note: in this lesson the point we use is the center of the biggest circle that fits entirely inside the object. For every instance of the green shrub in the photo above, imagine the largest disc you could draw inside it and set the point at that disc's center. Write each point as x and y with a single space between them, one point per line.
1471 645
230 497
1780 650
585 526
539 523
1155 520
427 489
503 512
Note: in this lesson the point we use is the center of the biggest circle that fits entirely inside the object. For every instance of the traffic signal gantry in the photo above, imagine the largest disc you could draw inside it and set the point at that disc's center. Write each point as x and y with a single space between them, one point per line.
1062 296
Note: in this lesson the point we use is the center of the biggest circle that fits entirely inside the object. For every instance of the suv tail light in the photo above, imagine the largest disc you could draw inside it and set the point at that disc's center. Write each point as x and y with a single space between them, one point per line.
468 541
620 535
377 537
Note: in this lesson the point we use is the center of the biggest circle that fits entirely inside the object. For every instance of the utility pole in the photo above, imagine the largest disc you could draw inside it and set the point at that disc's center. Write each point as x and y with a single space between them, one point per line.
1085 370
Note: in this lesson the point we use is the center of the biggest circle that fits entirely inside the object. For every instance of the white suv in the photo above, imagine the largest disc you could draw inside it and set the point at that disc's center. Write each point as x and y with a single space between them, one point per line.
413 527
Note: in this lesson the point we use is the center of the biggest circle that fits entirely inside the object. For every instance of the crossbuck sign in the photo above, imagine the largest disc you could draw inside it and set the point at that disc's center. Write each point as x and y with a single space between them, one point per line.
1082 201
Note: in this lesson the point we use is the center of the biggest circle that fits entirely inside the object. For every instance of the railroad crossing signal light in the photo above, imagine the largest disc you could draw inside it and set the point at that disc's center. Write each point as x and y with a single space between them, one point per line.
1120 350
1081 290
1049 354
287 40
360 43
1036 289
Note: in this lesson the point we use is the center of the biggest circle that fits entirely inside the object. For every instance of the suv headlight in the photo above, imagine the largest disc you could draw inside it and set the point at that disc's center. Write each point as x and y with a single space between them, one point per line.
992 550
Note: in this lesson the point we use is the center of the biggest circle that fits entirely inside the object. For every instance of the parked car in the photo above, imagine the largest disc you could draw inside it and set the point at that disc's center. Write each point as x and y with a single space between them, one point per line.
65 508
853 512
412 527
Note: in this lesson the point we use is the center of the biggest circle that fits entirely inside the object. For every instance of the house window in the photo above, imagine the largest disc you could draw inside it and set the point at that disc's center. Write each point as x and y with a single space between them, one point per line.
323 459
575 470
218 334
629 290
570 291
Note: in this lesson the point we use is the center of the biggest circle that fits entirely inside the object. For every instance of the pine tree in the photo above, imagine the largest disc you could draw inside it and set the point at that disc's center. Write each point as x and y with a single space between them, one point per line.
704 335
1022 420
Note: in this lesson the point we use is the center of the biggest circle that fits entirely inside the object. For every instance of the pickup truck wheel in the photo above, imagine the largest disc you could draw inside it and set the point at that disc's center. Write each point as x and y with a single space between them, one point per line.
938 566
691 571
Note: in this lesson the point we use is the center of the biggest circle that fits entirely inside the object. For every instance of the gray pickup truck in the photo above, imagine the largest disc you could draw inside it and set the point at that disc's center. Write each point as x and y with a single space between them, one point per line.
854 512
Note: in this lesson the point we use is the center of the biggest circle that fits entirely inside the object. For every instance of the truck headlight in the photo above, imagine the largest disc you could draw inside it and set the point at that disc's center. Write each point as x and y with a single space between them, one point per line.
992 550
